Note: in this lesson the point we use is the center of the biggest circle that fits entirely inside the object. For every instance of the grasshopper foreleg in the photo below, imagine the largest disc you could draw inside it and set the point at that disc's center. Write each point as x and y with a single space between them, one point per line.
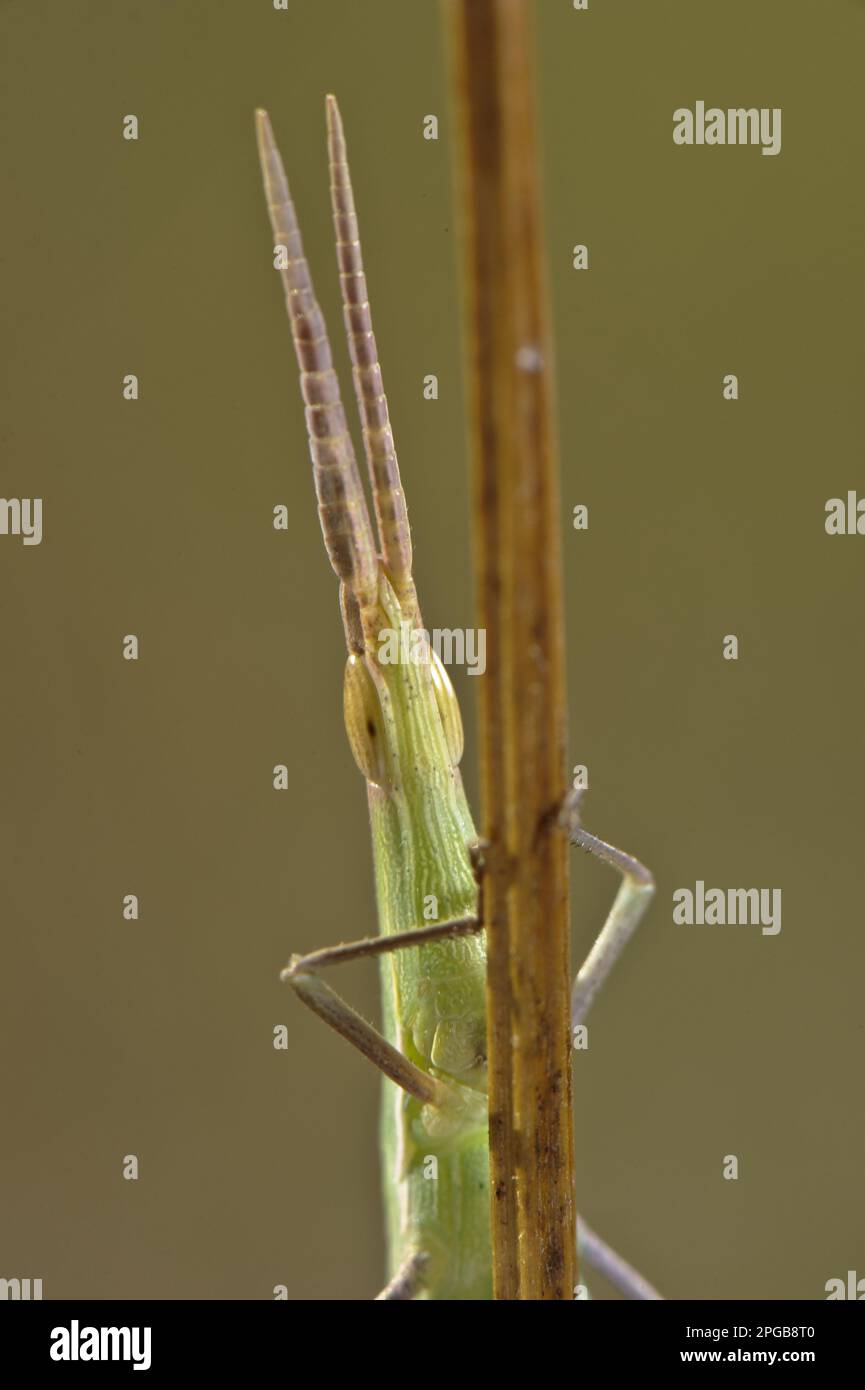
301 974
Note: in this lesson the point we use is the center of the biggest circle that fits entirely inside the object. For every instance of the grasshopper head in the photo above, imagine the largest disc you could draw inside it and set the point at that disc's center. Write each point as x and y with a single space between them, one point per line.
401 712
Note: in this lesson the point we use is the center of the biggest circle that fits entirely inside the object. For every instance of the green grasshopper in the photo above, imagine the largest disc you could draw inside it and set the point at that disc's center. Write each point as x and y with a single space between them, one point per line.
405 732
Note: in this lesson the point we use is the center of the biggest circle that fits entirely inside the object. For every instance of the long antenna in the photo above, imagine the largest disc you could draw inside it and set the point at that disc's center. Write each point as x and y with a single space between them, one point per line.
390 506
342 508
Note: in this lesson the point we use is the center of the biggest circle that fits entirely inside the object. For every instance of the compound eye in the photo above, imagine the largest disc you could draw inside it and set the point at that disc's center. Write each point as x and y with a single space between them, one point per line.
448 708
364 723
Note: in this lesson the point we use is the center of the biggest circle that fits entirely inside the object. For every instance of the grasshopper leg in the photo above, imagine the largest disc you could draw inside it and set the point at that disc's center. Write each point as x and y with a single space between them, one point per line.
407 1282
604 1260
632 899
302 974
634 895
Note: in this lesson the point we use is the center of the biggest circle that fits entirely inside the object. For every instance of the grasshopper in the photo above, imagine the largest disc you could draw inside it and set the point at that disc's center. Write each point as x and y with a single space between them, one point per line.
405 733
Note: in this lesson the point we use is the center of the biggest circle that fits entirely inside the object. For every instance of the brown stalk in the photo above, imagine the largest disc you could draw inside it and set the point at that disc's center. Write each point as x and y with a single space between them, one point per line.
518 573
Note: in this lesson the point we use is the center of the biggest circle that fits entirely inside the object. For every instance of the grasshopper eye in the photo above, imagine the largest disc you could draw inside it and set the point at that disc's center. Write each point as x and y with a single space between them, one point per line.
448 707
363 721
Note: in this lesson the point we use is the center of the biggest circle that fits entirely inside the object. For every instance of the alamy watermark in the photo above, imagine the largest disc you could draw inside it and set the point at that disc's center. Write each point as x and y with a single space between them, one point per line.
22 516
77 1343
853 1287
21 1290
454 646
737 125
702 906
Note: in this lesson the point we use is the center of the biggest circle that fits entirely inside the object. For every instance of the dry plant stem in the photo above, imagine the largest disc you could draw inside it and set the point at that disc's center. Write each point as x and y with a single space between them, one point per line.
515 507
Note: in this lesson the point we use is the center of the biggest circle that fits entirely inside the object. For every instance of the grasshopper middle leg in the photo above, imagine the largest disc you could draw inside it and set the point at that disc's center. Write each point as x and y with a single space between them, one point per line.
634 895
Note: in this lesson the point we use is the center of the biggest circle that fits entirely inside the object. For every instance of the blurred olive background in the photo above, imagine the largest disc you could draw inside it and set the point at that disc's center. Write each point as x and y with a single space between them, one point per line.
259 1167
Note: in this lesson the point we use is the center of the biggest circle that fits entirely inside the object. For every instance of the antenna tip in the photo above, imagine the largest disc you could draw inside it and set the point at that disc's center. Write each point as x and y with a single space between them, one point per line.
263 132
335 136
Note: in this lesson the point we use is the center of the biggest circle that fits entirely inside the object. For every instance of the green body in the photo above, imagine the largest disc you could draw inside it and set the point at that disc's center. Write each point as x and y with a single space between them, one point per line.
433 997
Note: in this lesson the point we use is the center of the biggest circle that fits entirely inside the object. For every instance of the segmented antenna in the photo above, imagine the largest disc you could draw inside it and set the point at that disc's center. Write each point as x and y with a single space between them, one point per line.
390 507
342 508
